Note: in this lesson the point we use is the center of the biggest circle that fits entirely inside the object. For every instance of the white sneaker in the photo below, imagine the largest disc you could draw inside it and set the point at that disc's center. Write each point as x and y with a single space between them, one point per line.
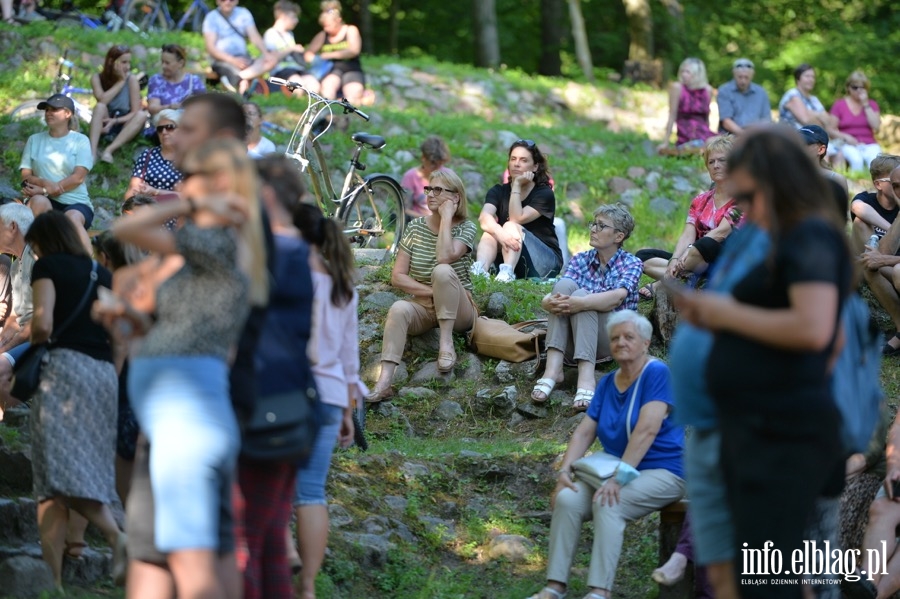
477 270
506 274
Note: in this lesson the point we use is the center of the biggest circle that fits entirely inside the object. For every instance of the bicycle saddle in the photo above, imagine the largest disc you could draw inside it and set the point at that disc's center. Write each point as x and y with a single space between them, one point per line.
376 142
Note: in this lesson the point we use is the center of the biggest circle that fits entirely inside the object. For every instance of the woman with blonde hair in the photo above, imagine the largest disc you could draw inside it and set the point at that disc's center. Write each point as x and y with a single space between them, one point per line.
432 266
858 120
341 44
178 379
689 99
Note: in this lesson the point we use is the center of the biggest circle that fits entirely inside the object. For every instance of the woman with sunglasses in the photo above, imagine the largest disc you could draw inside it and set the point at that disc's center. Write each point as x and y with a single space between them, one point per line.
597 283
517 220
168 88
433 267
776 413
118 116
154 174
858 120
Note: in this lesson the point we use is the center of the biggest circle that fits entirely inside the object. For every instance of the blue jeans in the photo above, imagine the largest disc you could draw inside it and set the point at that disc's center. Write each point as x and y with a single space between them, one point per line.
183 407
710 516
310 487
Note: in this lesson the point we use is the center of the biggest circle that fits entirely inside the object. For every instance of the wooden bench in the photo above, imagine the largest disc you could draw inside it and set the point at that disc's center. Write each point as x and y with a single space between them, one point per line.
671 519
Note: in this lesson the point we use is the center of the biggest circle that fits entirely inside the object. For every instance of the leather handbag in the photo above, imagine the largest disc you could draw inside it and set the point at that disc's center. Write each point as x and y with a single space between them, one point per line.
511 342
27 370
283 427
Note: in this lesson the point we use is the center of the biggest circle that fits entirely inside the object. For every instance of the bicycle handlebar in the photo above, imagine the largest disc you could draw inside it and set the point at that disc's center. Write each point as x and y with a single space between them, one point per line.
293 85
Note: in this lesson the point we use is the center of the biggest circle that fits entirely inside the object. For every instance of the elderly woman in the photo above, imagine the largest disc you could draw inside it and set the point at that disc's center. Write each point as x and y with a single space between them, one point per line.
341 44
799 107
711 217
689 99
629 415
517 220
858 120
153 173
118 115
432 266
435 154
596 284
167 89
778 451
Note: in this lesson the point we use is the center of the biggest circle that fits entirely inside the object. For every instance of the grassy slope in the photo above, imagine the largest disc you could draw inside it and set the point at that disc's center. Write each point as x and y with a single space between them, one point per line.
438 567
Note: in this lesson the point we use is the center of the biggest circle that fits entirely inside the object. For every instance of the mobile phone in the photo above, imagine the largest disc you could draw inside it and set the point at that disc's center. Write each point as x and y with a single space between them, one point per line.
673 286
895 489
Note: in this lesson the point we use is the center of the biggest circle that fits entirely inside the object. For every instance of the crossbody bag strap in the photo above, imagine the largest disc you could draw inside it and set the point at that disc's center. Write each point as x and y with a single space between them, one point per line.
227 20
637 386
81 304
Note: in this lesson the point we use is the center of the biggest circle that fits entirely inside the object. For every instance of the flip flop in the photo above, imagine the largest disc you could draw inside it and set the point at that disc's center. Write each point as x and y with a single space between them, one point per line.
647 291
548 593
545 386
582 399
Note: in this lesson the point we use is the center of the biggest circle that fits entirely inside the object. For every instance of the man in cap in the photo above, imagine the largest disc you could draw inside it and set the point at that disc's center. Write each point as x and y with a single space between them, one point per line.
742 102
817 143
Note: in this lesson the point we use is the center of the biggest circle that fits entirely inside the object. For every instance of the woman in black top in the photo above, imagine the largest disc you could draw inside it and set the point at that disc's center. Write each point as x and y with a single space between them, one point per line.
73 412
776 336
517 220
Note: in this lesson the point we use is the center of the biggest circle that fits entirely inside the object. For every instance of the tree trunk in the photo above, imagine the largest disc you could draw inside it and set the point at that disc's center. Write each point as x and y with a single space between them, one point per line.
365 27
582 50
551 38
394 27
487 42
640 29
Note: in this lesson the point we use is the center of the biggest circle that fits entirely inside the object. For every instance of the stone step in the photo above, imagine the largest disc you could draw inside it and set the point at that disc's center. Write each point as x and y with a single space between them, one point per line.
94 565
370 256
18 521
15 469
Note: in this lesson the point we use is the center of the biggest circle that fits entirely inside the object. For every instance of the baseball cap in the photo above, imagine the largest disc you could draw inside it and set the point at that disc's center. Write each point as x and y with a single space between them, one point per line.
813 134
57 101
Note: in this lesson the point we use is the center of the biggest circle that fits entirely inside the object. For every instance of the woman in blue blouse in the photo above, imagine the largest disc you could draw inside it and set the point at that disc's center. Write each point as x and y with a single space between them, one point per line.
629 414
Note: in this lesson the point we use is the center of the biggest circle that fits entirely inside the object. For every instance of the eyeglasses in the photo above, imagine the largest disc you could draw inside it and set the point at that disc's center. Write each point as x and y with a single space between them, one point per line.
436 191
884 180
528 143
856 88
744 64
599 226
169 127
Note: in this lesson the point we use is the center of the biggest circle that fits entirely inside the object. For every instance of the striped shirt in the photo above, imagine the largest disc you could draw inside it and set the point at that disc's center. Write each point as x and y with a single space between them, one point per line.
420 243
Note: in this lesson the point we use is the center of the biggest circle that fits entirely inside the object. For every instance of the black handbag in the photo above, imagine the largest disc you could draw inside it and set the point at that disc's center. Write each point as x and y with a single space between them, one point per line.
283 427
27 369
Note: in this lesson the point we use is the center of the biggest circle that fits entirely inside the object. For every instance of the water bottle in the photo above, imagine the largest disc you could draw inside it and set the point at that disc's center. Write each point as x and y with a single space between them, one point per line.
873 242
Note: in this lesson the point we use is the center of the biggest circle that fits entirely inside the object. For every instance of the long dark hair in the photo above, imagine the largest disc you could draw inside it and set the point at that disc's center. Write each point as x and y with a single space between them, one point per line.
108 77
327 235
54 233
542 174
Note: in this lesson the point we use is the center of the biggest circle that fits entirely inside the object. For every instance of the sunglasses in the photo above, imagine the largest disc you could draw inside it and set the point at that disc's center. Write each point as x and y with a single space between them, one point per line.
528 143
169 127
436 191
743 65
884 180
856 88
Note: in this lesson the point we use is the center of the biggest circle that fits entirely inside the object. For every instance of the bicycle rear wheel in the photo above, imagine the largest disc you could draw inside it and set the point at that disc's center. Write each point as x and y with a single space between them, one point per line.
374 217
146 14
27 110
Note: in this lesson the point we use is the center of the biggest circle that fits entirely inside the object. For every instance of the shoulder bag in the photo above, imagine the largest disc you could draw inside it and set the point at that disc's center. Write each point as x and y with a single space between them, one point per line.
596 468
283 427
27 370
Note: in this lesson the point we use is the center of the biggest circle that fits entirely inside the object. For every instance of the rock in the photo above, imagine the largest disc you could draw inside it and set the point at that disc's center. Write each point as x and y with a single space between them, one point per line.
503 372
426 344
617 185
636 172
663 206
471 455
396 503
375 525
404 157
15 470
574 192
531 410
682 185
500 404
7 191
651 182
93 567
515 548
18 521
386 409
496 306
515 420
18 418
411 470
445 529
506 138
429 374
417 393
25 576
474 182
401 531
379 299
396 70
369 331
629 196
447 410
596 150
373 549
339 516
103 218
473 370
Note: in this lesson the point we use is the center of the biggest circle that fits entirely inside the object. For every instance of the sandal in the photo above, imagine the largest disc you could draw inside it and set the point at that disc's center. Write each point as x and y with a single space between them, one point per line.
545 386
548 593
582 399
888 349
446 361
595 596
647 291
74 550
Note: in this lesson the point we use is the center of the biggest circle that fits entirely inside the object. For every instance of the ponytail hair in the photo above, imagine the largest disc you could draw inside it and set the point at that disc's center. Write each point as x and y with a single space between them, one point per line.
328 236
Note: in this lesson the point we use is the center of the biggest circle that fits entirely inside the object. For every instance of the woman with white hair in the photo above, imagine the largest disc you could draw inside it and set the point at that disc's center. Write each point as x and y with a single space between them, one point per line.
154 174
629 415
689 99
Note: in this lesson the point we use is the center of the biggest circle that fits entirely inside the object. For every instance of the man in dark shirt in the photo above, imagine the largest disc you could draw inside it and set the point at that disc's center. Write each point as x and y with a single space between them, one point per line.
882 270
874 212
742 102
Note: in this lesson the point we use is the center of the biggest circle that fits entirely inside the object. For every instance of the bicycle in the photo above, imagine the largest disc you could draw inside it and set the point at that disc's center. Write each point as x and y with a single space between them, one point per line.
371 207
154 15
61 85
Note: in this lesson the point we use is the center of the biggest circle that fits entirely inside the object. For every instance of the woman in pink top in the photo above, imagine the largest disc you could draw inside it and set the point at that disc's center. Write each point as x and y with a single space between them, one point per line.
435 154
689 99
710 220
858 121
335 343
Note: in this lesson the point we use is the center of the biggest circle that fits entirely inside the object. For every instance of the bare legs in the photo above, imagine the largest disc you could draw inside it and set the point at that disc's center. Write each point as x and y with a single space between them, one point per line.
130 129
312 539
40 204
489 247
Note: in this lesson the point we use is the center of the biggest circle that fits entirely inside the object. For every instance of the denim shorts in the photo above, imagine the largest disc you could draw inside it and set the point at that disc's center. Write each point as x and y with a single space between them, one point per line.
710 517
183 407
310 488
86 211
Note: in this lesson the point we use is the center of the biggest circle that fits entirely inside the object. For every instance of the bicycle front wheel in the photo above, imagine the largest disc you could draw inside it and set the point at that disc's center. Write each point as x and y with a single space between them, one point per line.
146 14
374 217
27 110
